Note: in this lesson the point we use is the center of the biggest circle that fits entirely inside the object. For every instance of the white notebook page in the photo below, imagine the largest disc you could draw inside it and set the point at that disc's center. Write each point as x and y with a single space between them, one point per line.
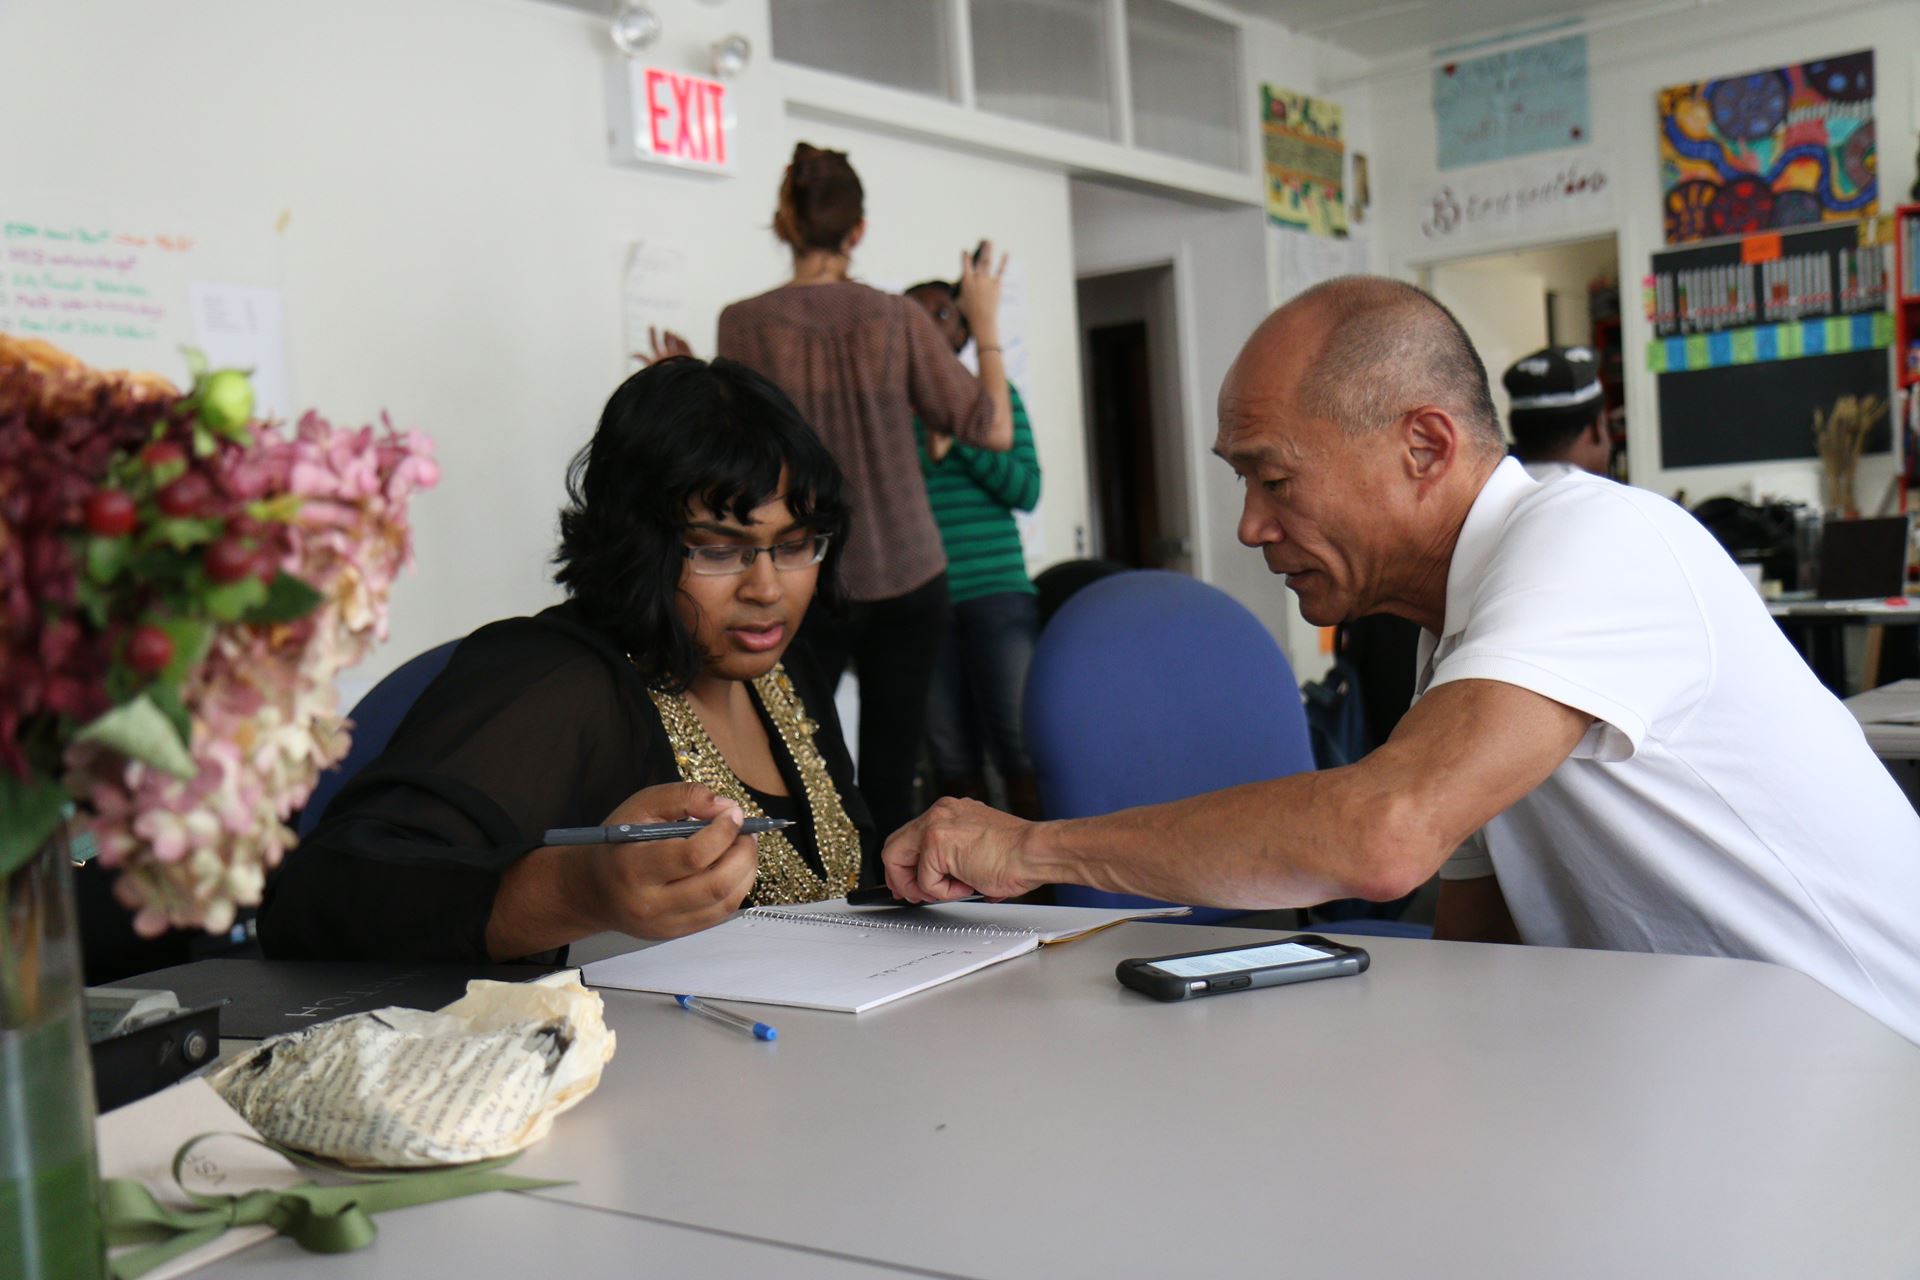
846 966
1049 924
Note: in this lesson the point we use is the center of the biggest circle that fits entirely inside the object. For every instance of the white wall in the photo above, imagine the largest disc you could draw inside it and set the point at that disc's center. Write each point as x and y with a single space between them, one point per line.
1628 65
1565 270
1504 311
1218 258
456 234
1225 284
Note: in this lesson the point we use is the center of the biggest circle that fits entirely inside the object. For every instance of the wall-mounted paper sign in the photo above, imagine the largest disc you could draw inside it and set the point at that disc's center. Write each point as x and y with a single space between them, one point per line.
670 117
1515 200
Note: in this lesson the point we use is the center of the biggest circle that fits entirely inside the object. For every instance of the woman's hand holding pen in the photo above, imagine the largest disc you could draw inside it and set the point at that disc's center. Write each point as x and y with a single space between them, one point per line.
979 302
660 889
979 299
670 888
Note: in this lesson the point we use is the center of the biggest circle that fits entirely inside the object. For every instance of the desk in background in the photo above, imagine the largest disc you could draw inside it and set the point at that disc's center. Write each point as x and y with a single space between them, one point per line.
1890 716
1459 1110
1818 629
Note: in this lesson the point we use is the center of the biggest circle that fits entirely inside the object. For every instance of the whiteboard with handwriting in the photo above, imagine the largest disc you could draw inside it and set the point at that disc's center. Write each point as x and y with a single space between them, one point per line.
133 296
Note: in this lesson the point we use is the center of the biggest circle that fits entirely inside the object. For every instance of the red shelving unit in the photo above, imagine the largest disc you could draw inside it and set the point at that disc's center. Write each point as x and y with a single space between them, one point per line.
1906 339
1906 298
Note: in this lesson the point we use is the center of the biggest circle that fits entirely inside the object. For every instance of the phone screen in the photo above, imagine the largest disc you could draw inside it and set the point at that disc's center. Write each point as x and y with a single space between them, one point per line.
1247 958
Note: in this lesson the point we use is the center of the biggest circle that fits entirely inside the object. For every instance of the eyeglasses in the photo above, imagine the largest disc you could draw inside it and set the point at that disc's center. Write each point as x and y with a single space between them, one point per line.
718 561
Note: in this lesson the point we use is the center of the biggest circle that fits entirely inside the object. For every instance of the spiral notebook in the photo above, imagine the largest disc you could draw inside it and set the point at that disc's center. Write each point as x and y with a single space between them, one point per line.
847 959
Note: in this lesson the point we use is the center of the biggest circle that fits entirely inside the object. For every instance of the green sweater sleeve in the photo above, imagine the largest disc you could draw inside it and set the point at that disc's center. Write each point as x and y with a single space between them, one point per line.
1012 477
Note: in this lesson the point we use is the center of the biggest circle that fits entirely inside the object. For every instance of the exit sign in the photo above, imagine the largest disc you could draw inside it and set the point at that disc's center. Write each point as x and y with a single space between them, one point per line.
670 117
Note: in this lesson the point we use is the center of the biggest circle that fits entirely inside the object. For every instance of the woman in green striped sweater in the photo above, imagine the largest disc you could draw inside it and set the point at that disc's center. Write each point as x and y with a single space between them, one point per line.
973 714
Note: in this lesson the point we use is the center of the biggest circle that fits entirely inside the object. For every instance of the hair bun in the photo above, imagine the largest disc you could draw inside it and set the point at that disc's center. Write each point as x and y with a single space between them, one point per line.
821 200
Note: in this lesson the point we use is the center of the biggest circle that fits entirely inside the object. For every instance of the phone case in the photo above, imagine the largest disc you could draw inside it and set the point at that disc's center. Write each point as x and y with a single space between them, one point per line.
1138 974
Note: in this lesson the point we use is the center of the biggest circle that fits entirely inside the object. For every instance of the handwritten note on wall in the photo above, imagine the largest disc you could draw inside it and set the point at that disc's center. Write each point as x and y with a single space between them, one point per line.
71 284
1511 104
134 297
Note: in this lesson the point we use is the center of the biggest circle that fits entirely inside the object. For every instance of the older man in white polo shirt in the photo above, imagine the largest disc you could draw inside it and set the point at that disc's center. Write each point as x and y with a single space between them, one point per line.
1653 766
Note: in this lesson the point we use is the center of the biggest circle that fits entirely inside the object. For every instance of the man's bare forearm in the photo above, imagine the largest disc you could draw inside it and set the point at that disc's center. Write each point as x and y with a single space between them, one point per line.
1377 829
1290 842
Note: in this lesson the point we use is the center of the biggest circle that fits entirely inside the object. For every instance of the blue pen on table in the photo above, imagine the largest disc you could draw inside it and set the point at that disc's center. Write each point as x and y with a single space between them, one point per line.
627 832
758 1030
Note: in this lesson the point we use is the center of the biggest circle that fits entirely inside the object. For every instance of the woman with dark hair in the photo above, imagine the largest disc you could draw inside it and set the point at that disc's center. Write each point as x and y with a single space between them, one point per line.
704 518
861 364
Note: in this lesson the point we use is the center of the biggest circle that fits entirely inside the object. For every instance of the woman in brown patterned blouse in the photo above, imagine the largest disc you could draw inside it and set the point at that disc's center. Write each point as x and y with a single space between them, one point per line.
860 364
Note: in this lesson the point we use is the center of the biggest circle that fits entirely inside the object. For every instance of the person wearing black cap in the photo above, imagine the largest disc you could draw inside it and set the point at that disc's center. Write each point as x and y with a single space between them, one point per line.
1557 414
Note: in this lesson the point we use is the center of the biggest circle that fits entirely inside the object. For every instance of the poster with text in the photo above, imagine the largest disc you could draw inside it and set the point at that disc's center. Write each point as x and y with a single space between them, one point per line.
1771 149
1305 162
1511 104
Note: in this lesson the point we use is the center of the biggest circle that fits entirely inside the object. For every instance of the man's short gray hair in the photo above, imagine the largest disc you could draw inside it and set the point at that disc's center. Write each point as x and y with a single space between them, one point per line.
1390 348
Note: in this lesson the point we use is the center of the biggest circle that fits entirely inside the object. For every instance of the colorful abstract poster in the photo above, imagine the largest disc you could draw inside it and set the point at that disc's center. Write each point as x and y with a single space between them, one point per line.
1305 160
1511 104
1780 148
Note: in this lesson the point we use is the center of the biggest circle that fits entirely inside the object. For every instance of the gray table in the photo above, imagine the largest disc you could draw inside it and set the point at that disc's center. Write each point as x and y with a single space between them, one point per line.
1458 1111
527 1239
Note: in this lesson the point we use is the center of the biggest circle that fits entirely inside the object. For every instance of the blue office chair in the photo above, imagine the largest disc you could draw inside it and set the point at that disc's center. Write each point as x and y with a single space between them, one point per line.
375 717
1150 686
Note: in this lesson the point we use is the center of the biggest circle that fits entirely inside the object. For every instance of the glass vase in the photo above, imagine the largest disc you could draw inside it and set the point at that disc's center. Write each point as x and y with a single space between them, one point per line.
49 1219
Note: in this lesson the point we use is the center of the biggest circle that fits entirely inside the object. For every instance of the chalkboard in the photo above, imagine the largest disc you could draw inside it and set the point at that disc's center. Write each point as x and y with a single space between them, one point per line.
1762 412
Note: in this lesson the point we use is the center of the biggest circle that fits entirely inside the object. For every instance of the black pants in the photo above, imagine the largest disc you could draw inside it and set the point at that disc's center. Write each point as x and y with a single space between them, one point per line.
891 644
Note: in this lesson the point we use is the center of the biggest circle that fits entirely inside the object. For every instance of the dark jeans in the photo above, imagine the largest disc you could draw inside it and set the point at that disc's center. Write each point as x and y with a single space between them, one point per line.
891 645
978 682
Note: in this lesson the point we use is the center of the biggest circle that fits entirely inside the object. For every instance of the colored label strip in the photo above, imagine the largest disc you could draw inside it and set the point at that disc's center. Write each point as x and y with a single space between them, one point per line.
1835 335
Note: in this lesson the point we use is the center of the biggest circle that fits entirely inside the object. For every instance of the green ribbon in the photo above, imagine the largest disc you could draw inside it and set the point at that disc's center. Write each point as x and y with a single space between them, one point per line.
319 1219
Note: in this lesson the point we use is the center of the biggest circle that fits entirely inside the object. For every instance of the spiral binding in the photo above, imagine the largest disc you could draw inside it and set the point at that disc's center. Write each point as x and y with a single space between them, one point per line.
871 922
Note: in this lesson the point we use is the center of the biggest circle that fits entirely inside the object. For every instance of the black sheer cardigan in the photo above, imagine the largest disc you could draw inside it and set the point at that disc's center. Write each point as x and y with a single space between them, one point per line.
536 722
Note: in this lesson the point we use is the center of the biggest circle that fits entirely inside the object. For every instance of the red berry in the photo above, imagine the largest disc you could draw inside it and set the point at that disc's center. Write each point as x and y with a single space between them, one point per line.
228 560
162 452
110 513
149 650
266 565
186 496
242 525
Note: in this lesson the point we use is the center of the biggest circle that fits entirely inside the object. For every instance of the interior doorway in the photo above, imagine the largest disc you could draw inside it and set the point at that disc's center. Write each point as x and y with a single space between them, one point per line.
1135 434
1561 295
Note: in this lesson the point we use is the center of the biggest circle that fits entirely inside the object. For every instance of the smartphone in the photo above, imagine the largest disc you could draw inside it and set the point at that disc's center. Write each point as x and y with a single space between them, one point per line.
1301 958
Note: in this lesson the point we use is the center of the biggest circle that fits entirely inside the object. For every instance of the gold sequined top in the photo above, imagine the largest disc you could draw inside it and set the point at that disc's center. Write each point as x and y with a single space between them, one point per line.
783 875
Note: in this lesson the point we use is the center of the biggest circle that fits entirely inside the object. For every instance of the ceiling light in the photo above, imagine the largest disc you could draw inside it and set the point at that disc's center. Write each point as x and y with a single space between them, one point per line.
633 28
730 56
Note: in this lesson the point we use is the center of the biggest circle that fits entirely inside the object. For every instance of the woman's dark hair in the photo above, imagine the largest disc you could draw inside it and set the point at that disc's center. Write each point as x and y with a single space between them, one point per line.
821 200
678 433
951 290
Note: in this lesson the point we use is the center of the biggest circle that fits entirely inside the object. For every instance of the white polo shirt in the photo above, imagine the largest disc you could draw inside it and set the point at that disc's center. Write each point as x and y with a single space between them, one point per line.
1547 471
1724 803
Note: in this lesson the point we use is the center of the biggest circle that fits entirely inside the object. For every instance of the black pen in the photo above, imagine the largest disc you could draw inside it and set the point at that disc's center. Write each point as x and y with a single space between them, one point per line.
631 832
